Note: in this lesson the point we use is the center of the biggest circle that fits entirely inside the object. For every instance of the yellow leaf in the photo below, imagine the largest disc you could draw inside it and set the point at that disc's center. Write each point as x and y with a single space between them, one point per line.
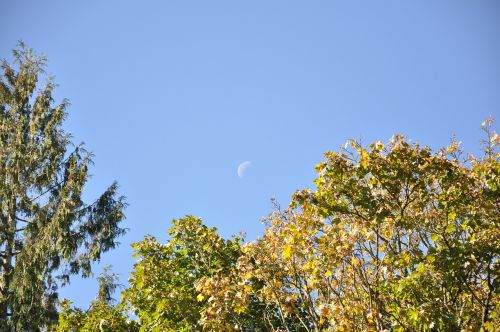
328 274
200 297
239 309
364 159
287 252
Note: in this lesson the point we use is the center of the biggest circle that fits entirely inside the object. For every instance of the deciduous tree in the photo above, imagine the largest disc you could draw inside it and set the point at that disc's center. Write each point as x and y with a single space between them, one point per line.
102 314
162 285
395 237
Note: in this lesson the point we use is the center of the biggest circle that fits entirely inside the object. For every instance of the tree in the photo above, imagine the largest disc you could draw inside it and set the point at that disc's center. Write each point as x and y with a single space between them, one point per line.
165 288
162 285
47 232
102 315
394 238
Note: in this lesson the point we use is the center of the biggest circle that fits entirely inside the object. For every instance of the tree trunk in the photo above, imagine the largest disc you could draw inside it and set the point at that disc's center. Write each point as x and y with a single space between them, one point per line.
7 268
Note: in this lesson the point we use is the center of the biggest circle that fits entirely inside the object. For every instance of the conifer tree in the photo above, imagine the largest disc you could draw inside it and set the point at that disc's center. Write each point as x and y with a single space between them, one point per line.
47 232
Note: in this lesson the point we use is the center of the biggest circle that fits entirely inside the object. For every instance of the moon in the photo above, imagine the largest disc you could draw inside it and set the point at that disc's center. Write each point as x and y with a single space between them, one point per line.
242 168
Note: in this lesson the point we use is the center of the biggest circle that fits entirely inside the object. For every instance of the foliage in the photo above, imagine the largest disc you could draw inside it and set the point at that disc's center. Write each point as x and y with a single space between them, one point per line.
47 232
162 287
101 316
394 238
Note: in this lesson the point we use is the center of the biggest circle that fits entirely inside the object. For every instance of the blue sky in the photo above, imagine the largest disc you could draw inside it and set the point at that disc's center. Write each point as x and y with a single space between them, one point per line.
172 95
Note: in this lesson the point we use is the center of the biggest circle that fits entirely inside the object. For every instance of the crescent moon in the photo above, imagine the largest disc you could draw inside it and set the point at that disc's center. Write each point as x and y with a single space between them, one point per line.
242 168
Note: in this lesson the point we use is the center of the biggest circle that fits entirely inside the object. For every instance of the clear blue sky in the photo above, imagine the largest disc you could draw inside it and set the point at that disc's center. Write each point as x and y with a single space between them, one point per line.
172 95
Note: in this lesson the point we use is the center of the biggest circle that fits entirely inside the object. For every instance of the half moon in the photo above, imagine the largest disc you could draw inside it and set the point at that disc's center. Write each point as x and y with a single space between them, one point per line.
242 168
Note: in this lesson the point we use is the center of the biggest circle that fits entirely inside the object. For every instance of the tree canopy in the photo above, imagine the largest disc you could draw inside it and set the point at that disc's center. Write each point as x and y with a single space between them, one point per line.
47 232
102 314
395 237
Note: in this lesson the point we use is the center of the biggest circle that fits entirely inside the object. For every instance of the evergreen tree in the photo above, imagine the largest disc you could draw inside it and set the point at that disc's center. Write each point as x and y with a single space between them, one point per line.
47 232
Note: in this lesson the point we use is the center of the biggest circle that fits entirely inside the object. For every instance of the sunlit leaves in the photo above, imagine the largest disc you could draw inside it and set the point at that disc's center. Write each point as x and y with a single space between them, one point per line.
395 237
162 287
102 315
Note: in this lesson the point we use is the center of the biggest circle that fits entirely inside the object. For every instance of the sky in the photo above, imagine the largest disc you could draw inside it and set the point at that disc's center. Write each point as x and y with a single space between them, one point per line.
171 96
